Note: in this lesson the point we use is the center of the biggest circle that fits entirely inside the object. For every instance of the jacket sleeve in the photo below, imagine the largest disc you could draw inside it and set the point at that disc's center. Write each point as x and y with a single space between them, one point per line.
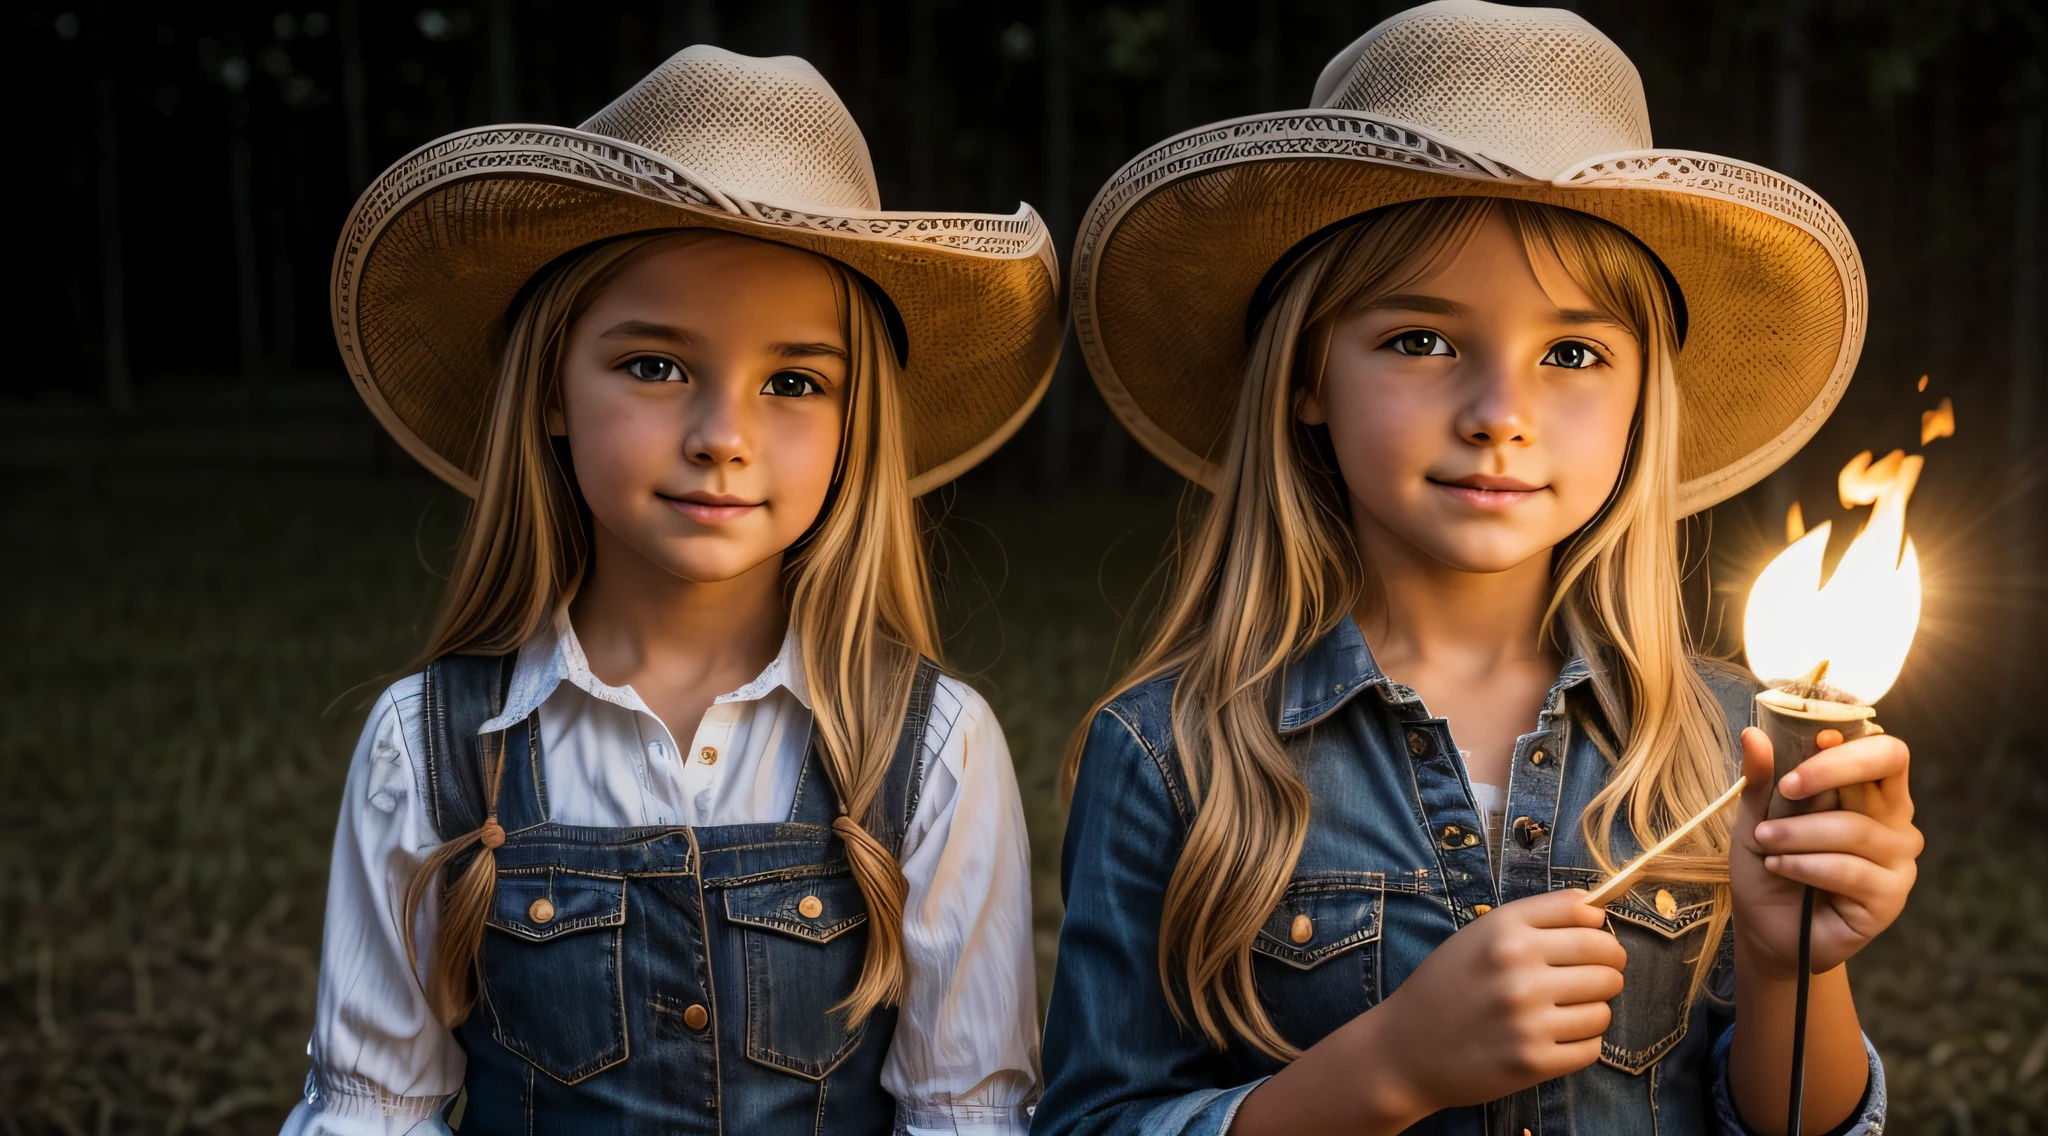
1116 1059
1867 1120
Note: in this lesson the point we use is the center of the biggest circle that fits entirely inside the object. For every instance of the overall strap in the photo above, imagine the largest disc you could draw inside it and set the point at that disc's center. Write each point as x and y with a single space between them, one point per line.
462 692
896 800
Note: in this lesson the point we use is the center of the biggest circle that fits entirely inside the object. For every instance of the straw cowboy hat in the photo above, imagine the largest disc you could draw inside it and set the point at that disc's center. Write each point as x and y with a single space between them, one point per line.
1457 98
440 244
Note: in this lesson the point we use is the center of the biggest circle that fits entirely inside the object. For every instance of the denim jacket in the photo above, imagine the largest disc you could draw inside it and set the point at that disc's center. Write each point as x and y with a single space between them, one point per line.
1394 862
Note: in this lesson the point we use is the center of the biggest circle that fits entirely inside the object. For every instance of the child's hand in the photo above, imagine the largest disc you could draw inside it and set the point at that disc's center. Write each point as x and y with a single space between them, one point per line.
1520 994
1860 857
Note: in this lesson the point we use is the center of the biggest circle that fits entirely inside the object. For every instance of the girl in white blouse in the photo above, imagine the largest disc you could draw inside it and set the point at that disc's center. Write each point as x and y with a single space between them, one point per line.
678 827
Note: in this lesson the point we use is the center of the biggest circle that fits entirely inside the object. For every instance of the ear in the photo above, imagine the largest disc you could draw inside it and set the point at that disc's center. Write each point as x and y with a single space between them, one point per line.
1311 355
557 422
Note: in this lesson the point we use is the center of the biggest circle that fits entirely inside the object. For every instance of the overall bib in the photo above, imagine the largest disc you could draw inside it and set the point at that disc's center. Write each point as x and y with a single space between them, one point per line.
663 979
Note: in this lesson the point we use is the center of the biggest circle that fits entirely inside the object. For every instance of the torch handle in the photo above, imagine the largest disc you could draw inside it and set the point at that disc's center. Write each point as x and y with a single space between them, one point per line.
1792 742
1801 988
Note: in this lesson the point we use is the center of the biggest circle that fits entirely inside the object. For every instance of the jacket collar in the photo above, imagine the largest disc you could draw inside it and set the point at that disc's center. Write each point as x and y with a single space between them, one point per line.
1340 664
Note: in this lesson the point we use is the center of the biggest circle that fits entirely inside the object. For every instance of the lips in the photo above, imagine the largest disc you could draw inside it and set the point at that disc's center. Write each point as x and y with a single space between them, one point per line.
1487 491
710 508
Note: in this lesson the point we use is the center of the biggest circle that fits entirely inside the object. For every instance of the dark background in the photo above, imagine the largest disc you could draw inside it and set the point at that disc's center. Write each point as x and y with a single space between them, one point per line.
212 554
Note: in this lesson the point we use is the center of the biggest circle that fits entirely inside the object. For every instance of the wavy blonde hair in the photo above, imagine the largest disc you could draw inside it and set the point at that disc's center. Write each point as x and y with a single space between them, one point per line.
1273 566
856 587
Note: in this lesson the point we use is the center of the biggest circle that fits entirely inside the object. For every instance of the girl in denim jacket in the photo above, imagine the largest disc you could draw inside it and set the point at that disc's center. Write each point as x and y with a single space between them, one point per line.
677 827
1462 350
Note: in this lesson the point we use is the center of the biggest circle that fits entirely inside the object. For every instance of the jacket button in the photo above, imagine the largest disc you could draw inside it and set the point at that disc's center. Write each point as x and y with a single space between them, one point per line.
540 911
1303 929
1528 832
1417 743
1536 758
1481 908
809 907
709 755
1666 906
696 1017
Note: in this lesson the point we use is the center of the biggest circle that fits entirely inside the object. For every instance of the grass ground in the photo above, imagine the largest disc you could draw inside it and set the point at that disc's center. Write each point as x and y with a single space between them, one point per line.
187 648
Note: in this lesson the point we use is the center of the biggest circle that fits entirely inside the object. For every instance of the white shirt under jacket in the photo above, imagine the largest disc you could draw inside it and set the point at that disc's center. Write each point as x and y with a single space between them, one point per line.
965 1054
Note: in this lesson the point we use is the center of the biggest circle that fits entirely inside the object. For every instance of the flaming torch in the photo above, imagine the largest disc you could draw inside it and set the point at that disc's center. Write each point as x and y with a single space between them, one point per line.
1828 651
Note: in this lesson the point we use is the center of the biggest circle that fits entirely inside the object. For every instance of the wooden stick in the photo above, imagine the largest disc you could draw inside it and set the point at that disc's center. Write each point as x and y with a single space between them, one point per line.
1621 881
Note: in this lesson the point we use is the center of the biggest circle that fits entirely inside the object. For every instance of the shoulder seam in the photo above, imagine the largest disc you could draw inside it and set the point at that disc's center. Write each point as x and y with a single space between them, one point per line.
1180 802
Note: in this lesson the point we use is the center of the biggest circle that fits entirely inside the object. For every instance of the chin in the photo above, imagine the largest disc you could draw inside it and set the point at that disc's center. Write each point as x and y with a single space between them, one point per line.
1487 556
709 565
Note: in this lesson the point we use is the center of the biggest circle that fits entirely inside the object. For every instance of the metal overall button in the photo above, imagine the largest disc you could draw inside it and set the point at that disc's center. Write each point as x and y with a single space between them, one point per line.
540 910
809 907
1527 831
1417 743
1302 930
1456 837
696 1016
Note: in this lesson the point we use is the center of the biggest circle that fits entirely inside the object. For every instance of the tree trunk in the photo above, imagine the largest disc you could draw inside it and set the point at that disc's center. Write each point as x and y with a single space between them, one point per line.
240 202
354 94
1781 489
504 74
2023 399
922 93
1059 159
113 281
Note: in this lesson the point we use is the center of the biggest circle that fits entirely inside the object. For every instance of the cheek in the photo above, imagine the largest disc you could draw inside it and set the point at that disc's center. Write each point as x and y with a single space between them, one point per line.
621 444
1385 438
1589 466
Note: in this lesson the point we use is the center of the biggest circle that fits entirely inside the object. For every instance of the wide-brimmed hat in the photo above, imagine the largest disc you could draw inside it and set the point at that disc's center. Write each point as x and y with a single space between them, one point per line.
1461 98
441 243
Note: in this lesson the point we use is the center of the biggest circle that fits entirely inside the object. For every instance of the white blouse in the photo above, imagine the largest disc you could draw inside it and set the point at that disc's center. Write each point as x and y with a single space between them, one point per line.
965 1054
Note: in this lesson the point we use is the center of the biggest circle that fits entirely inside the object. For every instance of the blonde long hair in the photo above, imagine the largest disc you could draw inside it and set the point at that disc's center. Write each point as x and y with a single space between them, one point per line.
1273 566
856 587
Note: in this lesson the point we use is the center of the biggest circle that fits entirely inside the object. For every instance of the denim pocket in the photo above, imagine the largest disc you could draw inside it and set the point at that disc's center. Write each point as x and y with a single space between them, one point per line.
551 973
1661 927
1317 959
804 950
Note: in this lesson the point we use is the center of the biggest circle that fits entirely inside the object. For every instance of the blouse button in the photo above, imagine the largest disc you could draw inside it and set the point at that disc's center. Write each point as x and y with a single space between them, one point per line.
1666 906
810 907
696 1017
541 911
1303 930
709 755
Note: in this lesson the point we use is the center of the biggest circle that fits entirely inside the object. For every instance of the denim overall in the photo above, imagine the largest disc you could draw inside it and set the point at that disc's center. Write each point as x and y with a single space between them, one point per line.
663 979
1394 862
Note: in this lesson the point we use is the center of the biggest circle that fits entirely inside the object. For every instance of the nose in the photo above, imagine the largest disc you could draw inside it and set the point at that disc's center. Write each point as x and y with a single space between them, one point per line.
1496 413
716 435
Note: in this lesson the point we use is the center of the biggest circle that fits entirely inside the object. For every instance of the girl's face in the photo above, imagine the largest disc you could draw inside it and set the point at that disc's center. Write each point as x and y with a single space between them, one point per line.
1480 417
703 394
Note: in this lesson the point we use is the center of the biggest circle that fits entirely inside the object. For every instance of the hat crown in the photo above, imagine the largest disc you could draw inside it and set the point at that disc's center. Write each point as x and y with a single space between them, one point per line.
1537 89
766 129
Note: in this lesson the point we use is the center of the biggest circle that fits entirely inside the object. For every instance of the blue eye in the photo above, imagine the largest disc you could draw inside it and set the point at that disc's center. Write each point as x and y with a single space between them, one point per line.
653 369
791 384
1572 356
1421 343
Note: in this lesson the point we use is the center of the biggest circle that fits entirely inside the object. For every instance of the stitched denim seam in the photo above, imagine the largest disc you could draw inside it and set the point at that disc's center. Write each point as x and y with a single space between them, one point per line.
1173 790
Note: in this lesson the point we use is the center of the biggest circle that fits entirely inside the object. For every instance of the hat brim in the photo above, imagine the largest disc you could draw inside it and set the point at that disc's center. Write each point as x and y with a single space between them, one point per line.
1176 244
438 248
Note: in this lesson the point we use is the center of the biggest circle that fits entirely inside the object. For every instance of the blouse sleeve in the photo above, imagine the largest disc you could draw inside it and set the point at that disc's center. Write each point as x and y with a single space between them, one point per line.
381 1063
965 1055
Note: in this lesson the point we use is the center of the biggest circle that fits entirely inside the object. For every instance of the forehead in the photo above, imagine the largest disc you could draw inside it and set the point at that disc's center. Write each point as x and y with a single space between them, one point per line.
1496 268
722 273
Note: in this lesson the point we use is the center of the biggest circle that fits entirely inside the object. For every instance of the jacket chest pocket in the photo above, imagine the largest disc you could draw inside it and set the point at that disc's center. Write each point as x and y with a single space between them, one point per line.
1317 959
805 942
1663 928
550 970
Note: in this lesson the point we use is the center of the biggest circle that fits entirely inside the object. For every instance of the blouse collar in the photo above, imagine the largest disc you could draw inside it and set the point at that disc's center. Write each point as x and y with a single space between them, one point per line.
555 656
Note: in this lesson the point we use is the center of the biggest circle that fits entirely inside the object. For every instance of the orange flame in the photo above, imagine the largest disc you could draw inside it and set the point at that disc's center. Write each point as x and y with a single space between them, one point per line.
1938 423
1861 621
1795 523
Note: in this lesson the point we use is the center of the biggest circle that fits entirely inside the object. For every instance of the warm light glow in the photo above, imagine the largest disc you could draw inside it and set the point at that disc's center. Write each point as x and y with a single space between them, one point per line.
1795 523
1861 621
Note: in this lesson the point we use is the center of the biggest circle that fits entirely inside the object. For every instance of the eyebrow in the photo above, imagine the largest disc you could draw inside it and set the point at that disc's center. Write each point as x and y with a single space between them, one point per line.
1437 305
645 329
